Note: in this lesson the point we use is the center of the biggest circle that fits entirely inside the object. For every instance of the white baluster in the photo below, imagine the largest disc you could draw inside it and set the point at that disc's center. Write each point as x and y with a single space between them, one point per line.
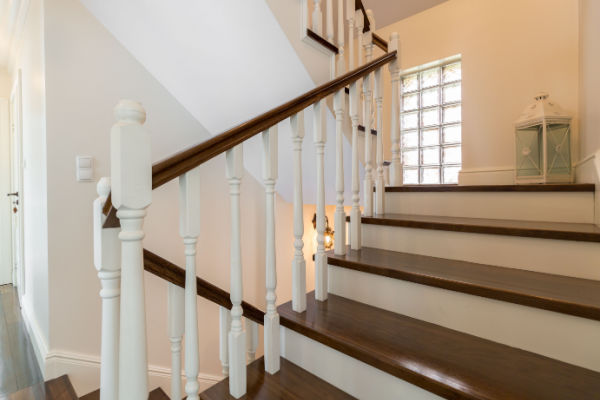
319 139
340 214
224 328
107 259
340 39
298 264
189 229
394 66
237 335
350 18
359 20
355 217
368 123
317 18
176 329
329 21
131 180
379 181
251 339
271 329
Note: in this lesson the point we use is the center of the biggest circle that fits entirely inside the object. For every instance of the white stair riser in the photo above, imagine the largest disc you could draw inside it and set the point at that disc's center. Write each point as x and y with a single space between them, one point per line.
561 257
526 206
544 332
347 373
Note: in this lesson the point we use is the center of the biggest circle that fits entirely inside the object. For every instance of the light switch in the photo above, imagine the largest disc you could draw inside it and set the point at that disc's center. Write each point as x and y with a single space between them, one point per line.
84 168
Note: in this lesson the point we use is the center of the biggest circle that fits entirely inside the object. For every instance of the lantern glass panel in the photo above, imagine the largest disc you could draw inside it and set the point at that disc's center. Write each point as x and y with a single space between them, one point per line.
558 149
529 145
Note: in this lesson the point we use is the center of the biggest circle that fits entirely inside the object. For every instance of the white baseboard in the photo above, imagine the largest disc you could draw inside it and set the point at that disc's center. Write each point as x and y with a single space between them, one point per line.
84 372
40 345
487 176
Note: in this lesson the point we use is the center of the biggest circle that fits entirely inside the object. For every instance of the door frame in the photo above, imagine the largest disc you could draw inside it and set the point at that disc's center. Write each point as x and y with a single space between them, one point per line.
17 164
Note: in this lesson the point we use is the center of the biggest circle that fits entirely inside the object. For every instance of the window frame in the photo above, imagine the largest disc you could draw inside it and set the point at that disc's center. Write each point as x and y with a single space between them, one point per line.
439 124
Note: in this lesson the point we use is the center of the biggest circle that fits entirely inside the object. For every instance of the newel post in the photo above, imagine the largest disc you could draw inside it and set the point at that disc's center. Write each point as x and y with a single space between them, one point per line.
107 259
131 177
396 166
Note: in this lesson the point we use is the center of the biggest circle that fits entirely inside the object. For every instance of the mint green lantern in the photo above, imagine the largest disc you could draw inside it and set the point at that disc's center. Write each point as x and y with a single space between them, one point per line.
543 143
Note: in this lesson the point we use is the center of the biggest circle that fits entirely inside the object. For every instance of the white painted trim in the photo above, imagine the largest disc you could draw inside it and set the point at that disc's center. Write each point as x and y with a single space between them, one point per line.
486 169
40 345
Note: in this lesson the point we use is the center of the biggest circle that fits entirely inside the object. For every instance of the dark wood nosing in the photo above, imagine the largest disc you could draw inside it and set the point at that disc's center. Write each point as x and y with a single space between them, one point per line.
446 362
156 394
567 187
291 382
322 41
531 229
573 296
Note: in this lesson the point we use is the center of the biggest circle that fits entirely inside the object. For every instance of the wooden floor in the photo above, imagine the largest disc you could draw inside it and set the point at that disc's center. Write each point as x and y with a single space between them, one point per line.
18 367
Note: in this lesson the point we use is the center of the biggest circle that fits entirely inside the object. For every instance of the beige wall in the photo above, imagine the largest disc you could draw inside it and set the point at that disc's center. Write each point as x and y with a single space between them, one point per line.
5 83
589 69
510 50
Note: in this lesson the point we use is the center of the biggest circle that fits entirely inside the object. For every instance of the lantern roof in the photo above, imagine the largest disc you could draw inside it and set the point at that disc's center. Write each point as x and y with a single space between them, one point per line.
543 108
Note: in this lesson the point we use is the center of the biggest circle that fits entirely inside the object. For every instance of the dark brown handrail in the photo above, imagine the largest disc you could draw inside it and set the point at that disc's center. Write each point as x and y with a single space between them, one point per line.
170 272
180 163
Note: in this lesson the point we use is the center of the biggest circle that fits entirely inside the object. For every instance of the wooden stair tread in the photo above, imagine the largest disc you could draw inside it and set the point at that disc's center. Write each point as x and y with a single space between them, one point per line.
156 394
534 229
449 363
574 296
551 187
54 389
290 383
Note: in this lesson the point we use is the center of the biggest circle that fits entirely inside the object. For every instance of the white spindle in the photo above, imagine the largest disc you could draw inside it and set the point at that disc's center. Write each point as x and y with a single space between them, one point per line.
379 181
298 264
394 66
107 259
368 123
176 329
329 21
355 217
269 138
359 20
350 13
237 335
340 214
317 18
224 328
189 229
320 136
251 339
131 180
341 65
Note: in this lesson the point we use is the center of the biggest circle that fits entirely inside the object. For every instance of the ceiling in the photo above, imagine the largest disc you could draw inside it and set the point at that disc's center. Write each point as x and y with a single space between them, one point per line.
389 11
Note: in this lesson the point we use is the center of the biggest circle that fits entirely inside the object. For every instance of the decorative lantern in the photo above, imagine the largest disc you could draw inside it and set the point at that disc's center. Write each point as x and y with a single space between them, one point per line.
543 141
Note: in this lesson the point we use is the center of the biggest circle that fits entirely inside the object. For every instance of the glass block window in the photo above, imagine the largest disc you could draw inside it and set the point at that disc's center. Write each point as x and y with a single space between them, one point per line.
430 125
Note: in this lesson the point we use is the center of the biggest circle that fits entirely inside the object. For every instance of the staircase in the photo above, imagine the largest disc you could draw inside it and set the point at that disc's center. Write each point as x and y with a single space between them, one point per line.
459 292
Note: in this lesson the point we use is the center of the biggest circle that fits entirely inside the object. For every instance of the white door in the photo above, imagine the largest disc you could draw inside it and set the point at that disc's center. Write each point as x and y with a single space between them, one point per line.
16 191
6 266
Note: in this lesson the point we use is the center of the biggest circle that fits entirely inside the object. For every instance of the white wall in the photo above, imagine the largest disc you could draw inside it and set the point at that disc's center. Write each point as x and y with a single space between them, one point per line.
589 78
5 83
29 58
87 71
510 50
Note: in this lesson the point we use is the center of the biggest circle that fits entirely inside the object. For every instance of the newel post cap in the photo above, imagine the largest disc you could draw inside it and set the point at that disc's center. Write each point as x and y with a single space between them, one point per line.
129 112
103 187
130 157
